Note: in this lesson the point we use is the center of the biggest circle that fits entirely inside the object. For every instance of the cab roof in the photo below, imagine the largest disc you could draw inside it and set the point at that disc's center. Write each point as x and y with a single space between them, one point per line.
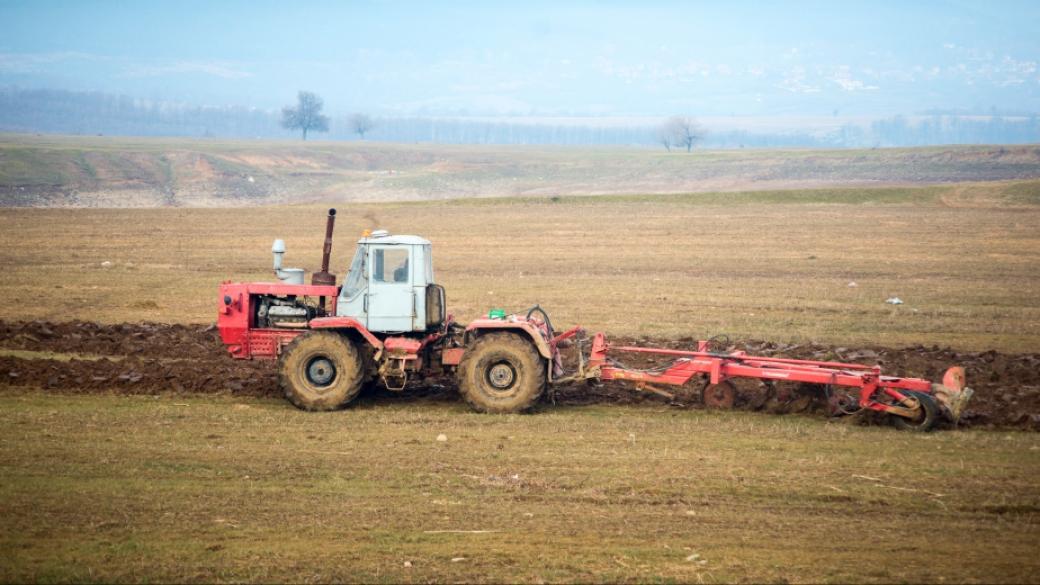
391 240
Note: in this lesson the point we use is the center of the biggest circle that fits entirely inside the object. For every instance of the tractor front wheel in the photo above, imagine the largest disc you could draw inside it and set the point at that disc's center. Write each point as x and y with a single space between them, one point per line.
501 373
321 370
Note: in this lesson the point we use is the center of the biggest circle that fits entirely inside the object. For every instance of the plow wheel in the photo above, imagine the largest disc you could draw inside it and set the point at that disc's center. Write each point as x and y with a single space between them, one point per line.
501 373
841 402
321 371
721 395
927 415
765 392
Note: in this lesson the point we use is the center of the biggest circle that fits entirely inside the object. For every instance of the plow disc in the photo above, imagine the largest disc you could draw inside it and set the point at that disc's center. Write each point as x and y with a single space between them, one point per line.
722 395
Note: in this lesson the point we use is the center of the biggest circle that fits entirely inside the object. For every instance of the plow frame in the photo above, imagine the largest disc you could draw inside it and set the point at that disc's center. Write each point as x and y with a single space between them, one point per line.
877 392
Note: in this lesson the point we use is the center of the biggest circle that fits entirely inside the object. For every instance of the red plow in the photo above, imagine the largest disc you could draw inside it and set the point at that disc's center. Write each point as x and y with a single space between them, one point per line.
913 403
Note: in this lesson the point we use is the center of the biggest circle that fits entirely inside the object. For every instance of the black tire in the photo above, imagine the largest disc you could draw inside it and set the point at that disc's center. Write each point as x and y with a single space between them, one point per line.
501 373
926 419
321 370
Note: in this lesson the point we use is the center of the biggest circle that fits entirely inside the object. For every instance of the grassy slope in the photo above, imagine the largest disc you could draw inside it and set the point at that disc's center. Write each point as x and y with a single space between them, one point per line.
964 258
146 172
203 489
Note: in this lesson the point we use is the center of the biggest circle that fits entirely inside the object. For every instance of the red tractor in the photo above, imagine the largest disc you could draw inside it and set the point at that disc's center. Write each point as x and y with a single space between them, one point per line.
387 324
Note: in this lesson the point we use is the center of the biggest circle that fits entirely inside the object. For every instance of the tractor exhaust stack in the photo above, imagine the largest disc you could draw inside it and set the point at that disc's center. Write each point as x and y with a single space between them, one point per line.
324 277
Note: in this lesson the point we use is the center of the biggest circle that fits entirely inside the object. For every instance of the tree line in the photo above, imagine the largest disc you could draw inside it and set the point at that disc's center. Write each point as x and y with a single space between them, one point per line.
90 113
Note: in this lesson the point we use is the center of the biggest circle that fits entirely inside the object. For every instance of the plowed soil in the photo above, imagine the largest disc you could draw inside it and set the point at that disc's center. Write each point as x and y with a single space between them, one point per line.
150 358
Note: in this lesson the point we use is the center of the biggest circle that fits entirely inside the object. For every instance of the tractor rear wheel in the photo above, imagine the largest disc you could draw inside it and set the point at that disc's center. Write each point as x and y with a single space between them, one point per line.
501 373
927 416
321 370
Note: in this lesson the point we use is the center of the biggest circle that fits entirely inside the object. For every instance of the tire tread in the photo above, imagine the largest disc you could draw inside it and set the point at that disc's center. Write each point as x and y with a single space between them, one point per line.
532 368
351 365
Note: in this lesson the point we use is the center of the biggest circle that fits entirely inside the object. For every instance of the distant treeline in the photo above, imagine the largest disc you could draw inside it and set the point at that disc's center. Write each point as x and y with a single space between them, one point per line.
91 113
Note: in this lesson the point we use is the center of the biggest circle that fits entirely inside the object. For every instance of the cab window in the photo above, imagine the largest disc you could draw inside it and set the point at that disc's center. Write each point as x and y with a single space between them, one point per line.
390 265
357 275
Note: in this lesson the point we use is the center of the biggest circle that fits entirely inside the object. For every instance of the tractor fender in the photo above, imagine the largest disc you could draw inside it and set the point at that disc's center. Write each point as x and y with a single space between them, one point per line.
346 323
481 326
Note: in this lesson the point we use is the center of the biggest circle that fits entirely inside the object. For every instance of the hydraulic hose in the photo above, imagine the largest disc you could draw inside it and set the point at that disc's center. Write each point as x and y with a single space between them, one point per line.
545 317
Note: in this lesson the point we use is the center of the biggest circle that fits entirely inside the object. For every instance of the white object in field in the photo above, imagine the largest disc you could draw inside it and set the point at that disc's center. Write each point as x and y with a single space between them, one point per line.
895 301
853 284
286 275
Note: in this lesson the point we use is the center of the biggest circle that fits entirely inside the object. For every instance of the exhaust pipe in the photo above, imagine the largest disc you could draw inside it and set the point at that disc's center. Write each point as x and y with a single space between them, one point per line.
324 277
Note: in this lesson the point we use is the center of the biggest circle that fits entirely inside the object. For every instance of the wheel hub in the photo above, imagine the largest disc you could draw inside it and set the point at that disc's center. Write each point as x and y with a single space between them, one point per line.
321 371
501 376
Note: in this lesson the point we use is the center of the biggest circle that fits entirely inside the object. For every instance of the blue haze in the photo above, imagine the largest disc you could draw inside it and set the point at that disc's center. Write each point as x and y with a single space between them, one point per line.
616 60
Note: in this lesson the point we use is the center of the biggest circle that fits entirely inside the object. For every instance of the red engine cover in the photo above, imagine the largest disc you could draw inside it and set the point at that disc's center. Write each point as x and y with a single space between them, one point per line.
235 317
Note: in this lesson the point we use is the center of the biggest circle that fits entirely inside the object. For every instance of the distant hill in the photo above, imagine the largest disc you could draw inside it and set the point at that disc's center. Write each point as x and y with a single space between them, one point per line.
57 171
79 113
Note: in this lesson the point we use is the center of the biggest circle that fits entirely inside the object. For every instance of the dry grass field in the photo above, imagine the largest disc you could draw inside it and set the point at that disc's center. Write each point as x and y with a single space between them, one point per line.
203 489
193 488
767 265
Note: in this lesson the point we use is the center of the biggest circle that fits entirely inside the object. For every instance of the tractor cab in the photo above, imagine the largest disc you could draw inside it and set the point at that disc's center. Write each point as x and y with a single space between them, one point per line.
389 287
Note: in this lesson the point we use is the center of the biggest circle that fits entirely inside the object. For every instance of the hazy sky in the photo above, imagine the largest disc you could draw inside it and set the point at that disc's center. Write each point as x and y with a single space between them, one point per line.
537 58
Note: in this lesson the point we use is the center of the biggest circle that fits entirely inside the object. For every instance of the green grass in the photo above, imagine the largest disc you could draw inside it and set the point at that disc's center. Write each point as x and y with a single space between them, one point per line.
85 167
1025 193
106 488
26 166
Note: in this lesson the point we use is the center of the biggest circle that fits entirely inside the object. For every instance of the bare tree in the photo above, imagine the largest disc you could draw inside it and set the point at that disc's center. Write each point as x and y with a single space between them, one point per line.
360 124
664 137
681 131
306 116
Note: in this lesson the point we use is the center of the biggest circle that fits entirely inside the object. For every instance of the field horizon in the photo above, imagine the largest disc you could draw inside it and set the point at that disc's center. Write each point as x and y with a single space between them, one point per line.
106 171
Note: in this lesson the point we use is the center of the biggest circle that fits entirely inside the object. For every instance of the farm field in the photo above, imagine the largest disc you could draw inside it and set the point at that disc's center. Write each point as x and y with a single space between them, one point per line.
195 488
133 449
780 266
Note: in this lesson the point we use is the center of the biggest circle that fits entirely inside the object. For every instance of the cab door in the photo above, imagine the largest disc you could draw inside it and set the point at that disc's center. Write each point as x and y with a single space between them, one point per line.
391 300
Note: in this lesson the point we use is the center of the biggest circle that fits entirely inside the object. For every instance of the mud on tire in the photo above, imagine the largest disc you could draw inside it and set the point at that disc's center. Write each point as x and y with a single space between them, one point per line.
321 370
501 373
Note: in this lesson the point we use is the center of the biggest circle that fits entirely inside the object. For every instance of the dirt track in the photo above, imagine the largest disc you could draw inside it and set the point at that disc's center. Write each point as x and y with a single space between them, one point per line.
156 358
